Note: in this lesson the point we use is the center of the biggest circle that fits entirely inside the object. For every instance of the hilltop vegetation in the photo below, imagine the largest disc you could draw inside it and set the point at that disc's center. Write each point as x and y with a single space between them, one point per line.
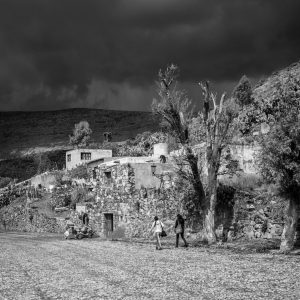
266 88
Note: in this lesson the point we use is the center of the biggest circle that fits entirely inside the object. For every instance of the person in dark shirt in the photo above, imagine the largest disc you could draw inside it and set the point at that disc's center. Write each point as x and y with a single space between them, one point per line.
85 219
179 230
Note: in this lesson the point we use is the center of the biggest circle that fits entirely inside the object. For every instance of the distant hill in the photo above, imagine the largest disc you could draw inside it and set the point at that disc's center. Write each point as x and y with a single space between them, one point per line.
49 130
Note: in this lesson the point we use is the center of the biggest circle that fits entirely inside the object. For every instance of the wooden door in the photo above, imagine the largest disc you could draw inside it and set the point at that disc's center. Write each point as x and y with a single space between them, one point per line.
109 224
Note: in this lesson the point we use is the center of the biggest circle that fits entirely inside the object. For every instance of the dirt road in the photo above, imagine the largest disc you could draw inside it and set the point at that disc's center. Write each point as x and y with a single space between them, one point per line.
36 266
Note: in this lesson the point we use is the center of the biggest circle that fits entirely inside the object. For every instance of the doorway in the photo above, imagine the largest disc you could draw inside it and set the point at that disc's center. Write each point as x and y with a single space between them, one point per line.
108 225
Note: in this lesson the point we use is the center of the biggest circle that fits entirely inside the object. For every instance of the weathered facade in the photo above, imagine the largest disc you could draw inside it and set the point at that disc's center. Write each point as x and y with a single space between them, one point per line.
129 192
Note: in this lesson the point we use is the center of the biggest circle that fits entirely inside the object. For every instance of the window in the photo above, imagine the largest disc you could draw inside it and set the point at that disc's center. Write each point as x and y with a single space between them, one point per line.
69 157
86 155
107 177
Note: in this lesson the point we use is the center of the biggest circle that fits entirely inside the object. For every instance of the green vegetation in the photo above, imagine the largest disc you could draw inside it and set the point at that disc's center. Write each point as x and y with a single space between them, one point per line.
79 172
81 135
4 181
243 92
279 159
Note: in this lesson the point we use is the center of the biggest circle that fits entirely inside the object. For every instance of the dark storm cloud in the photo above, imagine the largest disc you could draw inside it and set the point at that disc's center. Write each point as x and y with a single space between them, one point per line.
56 54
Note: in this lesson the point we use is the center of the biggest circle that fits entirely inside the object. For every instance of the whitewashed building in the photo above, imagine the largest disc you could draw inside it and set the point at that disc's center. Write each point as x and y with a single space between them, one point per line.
78 157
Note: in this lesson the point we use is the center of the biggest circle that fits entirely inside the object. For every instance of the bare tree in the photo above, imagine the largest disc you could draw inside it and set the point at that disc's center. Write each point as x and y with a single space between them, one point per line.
174 107
216 122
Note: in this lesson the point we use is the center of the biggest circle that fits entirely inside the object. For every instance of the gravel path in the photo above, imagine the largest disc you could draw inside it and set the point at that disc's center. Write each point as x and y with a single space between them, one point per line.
36 266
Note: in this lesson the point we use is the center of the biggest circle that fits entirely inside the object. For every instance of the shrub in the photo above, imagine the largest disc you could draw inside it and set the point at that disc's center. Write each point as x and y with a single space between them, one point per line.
67 200
79 172
4 181
243 181
78 195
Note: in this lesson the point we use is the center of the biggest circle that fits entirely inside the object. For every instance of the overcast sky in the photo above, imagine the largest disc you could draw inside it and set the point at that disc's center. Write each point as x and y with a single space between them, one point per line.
106 54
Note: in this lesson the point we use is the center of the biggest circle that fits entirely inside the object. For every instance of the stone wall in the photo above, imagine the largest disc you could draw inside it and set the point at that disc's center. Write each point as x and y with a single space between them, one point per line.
18 217
133 209
257 215
254 215
246 156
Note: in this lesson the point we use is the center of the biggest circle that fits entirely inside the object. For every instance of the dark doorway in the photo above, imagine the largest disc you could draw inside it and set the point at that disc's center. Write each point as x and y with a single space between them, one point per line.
108 225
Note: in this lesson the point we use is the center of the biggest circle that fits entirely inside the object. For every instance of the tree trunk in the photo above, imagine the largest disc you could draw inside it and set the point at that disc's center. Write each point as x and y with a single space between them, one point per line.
197 184
209 220
288 235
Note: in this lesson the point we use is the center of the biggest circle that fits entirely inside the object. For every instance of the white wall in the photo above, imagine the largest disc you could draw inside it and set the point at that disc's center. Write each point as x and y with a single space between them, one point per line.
76 156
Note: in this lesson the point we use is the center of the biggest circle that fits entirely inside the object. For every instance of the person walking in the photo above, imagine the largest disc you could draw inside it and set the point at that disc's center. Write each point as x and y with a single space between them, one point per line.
157 228
179 230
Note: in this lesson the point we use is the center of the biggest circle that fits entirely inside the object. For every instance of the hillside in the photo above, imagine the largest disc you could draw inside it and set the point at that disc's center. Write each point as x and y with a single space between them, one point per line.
267 87
50 130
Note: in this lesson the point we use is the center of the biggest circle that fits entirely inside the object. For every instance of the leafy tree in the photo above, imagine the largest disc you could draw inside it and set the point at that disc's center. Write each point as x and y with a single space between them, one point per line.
215 128
279 159
81 135
243 92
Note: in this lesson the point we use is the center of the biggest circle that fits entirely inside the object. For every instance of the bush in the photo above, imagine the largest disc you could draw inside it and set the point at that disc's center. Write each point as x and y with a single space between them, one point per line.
67 200
78 195
4 181
79 172
243 181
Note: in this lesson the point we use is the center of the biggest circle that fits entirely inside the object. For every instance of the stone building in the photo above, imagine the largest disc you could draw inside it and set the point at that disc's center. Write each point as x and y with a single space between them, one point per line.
78 157
130 191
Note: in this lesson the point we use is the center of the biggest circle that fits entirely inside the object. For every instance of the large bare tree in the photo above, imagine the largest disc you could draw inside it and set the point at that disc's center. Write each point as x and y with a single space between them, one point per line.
214 129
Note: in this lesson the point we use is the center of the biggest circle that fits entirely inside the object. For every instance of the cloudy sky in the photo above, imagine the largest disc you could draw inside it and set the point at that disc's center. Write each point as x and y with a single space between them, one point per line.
58 54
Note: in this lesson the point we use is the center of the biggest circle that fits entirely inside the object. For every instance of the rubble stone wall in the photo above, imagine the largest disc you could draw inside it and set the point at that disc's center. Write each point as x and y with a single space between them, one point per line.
254 215
257 215
133 209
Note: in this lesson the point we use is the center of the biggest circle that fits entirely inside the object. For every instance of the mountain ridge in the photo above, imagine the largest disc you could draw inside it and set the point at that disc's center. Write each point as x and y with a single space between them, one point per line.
47 130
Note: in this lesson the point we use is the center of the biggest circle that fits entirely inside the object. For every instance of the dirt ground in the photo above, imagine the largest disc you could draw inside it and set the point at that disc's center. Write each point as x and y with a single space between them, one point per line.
35 266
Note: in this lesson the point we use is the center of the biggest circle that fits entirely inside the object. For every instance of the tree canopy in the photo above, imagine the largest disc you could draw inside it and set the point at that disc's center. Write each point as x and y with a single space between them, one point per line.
243 92
81 135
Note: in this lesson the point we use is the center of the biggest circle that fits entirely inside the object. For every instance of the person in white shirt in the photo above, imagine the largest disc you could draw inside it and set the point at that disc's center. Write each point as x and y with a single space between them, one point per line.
157 228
